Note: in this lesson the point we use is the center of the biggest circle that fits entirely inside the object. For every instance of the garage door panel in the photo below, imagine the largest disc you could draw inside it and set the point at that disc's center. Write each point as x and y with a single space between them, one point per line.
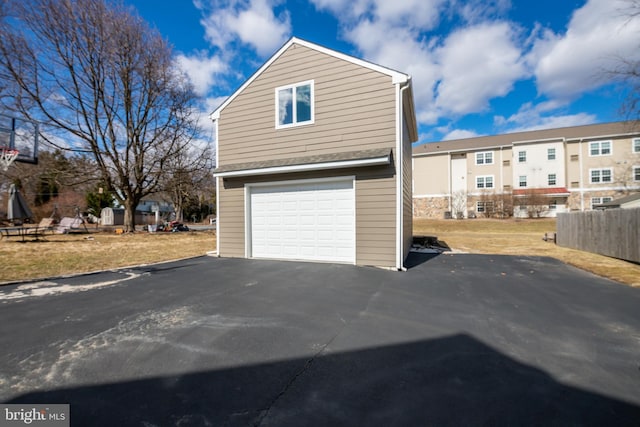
309 221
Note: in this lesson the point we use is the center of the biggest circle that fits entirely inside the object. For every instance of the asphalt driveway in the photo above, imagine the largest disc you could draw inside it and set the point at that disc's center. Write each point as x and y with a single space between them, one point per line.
456 340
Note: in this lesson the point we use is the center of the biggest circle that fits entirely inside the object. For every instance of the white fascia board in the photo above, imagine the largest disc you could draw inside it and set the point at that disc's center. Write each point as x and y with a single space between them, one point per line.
603 137
460 150
396 76
539 141
384 160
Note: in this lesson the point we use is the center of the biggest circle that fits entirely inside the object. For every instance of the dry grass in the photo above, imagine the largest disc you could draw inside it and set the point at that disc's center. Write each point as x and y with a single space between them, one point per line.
67 254
522 237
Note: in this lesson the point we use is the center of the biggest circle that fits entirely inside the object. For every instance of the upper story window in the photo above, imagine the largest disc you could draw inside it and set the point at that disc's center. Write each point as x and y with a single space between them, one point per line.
484 158
636 145
522 181
551 153
600 148
600 176
484 181
294 105
522 156
636 173
551 179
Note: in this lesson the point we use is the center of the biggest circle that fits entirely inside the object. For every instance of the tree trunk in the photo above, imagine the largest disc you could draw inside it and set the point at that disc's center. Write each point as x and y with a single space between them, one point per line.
129 216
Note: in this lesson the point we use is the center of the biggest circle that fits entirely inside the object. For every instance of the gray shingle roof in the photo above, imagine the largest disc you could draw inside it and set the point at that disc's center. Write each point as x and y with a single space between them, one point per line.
307 160
621 201
507 139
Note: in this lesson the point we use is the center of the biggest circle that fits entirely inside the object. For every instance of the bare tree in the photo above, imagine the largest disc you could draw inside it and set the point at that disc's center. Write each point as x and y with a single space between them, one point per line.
536 203
189 171
626 70
102 82
459 203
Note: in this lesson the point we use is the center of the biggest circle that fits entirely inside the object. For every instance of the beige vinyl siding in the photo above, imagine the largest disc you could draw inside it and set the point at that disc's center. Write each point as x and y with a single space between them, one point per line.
231 219
431 175
572 162
375 212
507 171
354 110
375 221
407 190
474 170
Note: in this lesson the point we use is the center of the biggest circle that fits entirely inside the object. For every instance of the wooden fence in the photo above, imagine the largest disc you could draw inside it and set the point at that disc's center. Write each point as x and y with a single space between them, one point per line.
611 232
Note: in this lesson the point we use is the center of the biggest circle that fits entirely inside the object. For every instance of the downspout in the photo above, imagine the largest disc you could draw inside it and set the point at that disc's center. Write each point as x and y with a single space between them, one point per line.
214 119
402 86
450 184
580 175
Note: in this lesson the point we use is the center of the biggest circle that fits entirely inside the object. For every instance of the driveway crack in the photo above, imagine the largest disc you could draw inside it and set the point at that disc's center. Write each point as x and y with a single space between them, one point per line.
265 412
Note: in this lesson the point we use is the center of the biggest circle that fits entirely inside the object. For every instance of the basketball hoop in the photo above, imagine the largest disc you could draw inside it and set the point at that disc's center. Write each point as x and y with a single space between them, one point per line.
7 156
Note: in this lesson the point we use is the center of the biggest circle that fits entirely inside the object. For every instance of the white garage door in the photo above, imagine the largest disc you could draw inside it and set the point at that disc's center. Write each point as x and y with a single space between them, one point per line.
308 221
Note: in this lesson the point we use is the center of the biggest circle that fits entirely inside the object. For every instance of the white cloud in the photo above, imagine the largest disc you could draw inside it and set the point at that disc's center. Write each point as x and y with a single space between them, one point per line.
540 116
453 74
477 11
459 134
252 22
397 48
478 63
345 9
414 13
570 64
201 70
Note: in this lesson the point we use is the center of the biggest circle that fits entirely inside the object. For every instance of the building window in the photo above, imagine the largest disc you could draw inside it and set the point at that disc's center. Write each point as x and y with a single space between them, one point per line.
600 148
484 158
484 181
551 179
522 156
601 176
595 201
636 173
294 105
484 207
553 205
551 153
636 145
522 181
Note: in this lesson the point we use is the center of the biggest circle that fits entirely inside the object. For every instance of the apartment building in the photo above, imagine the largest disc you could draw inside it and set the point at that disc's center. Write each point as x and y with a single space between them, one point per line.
527 174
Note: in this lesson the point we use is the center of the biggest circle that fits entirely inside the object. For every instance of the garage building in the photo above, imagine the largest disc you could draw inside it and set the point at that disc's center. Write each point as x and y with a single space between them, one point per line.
314 161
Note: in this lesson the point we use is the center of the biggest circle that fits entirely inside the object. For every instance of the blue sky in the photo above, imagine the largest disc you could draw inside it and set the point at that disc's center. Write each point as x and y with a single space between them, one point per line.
479 67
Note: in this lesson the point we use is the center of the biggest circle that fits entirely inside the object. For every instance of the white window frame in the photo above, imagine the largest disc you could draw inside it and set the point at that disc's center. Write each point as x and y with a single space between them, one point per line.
635 145
555 179
522 156
599 145
551 153
294 122
600 180
520 180
481 206
483 156
600 200
484 181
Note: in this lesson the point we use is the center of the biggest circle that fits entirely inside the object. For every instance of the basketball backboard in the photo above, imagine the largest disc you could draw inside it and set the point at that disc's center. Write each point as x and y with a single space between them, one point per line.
21 135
